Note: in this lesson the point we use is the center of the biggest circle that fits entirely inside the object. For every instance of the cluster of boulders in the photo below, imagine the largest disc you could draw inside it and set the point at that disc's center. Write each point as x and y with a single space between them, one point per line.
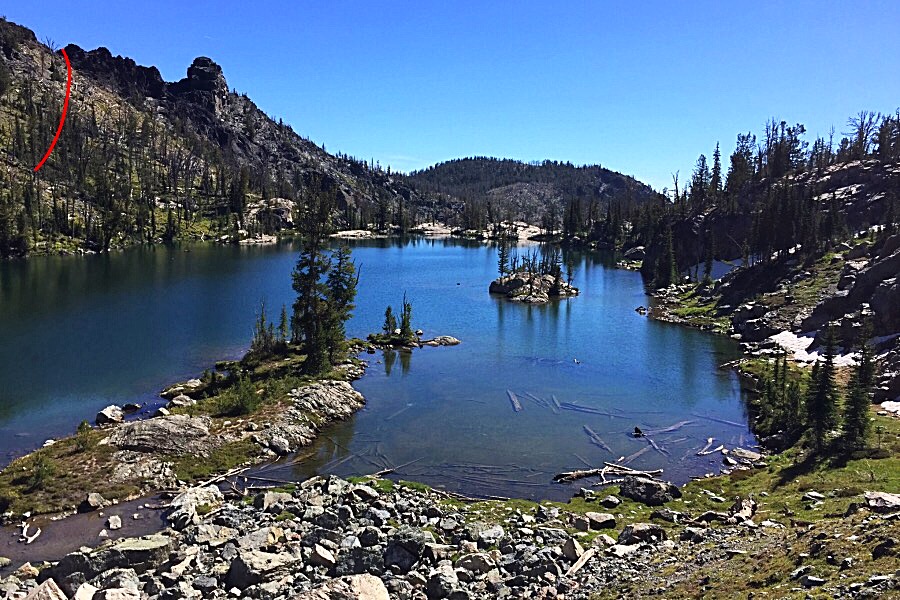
532 288
336 539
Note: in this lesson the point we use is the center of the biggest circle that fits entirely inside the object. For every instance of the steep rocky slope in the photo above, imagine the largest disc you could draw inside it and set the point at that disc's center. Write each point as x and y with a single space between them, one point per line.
141 159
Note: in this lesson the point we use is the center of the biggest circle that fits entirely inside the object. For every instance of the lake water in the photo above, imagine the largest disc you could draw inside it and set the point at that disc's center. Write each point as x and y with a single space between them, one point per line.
77 334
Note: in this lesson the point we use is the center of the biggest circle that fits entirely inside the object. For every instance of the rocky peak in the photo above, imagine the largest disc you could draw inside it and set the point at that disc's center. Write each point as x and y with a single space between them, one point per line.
119 73
204 85
205 74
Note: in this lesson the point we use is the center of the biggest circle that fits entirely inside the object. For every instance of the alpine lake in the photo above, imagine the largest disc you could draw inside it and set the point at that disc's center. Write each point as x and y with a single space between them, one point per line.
80 333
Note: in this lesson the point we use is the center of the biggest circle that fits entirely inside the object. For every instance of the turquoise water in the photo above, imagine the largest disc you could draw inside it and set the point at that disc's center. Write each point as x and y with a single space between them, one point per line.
80 333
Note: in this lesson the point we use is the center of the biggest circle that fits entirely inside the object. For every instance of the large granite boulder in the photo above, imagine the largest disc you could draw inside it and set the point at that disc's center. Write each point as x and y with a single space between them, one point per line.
649 491
175 435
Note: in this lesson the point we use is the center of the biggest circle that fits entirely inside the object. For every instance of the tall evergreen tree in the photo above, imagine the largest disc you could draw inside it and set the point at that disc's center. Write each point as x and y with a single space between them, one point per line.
341 282
311 311
503 258
822 403
859 396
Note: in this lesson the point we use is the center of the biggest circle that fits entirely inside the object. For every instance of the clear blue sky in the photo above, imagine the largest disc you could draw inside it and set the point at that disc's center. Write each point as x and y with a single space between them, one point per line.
640 87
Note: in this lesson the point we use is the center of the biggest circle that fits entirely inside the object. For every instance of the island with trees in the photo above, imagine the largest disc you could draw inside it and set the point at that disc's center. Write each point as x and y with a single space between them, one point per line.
534 278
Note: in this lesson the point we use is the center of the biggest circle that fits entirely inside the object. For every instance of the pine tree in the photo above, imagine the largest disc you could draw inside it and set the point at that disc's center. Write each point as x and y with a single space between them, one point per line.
406 331
341 283
715 179
859 396
311 310
503 258
283 325
390 321
821 408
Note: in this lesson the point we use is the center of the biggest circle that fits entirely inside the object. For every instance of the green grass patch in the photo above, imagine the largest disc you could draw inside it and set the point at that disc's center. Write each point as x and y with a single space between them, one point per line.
223 458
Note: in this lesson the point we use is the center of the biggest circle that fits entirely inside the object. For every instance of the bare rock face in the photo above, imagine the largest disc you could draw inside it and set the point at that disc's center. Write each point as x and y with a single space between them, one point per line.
174 435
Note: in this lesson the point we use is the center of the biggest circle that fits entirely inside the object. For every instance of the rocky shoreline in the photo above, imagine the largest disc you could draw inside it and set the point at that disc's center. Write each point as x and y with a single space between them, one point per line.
787 306
373 539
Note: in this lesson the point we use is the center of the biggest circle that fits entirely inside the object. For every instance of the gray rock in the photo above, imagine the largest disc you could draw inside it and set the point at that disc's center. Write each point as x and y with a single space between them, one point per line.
882 502
94 501
642 532
610 502
177 435
252 566
114 522
352 587
322 557
572 549
110 415
491 535
184 505
477 562
271 501
205 584
649 491
811 581
600 520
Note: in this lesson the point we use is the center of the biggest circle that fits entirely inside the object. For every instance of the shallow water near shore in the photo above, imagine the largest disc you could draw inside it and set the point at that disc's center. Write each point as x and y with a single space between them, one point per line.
81 333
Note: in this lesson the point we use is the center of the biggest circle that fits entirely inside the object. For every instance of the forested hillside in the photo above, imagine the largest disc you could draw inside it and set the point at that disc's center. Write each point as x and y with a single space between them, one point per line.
144 160
778 194
551 194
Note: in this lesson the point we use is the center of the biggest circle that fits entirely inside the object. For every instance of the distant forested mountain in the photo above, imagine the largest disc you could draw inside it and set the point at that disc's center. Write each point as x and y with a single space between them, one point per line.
550 193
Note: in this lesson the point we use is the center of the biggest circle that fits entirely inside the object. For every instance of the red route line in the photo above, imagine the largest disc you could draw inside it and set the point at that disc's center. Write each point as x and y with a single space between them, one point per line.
65 109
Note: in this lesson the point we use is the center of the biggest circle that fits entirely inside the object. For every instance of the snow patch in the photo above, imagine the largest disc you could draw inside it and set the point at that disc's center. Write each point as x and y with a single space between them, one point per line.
798 348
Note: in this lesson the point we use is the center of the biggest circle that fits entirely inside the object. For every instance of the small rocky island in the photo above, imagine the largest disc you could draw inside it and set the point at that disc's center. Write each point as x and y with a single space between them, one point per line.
532 288
534 278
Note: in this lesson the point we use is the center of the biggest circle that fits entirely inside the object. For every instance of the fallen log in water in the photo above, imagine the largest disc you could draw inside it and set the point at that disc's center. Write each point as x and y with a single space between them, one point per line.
596 439
709 442
578 474
536 400
669 429
588 409
582 459
402 410
723 421
719 448
656 446
516 405
636 455
555 402
623 468
608 468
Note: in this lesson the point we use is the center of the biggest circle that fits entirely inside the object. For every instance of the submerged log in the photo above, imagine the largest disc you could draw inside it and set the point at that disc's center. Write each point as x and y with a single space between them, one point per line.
635 456
556 406
588 409
596 439
516 405
723 421
669 429
656 446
